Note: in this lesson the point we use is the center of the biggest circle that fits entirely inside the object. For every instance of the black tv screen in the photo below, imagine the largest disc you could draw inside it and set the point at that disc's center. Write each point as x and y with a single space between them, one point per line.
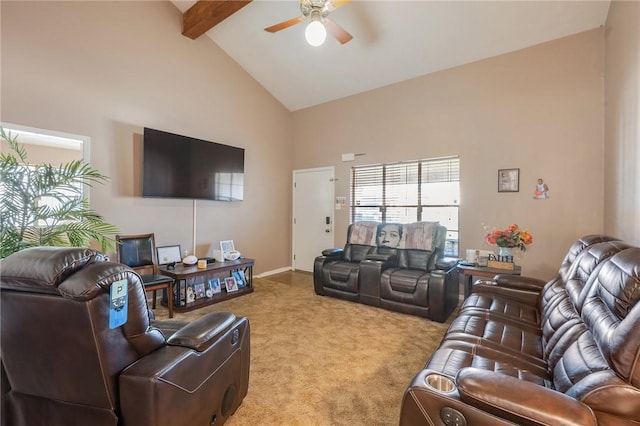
177 166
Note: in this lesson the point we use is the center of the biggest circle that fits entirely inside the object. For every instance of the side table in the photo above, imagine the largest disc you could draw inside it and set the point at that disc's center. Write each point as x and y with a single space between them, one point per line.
467 272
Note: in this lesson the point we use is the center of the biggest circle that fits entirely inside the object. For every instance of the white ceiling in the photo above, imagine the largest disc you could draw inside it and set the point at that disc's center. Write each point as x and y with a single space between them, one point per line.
393 41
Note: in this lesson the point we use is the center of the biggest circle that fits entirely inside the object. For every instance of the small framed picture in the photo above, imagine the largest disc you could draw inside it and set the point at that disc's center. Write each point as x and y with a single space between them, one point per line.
199 290
214 286
240 278
508 180
168 254
191 295
231 284
225 247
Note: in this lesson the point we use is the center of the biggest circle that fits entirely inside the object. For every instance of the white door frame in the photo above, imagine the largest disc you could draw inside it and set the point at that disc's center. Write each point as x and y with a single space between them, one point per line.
293 216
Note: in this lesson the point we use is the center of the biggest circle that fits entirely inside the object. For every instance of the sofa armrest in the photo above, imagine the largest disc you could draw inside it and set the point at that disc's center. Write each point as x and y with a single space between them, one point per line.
442 293
446 263
370 272
155 389
520 401
519 282
203 332
333 252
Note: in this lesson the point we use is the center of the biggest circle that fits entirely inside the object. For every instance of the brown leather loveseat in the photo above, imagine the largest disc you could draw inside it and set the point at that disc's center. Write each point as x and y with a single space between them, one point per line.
402 273
66 361
521 351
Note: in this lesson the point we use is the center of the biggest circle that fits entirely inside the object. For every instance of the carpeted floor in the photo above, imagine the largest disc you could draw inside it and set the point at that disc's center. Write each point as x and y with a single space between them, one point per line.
319 361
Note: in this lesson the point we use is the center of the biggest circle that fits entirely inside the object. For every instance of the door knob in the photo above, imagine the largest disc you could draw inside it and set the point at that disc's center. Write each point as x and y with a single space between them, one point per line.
327 230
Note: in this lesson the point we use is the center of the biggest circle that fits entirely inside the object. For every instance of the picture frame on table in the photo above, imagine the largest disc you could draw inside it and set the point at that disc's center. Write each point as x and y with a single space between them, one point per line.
199 290
241 280
508 180
191 295
230 284
214 286
225 247
168 254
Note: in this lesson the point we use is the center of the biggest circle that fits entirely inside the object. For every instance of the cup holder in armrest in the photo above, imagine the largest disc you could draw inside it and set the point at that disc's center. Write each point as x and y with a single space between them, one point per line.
440 383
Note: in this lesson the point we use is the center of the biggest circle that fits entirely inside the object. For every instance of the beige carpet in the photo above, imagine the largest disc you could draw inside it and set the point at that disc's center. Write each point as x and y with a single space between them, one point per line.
322 361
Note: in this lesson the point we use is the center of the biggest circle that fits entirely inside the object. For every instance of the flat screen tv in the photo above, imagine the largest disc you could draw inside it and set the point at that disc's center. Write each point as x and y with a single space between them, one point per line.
177 166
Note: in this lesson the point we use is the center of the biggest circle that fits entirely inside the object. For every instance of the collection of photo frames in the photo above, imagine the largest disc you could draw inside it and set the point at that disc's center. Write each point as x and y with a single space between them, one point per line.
195 289
200 287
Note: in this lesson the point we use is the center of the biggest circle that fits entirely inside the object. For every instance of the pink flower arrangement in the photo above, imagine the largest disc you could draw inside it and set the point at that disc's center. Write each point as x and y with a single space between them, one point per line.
512 237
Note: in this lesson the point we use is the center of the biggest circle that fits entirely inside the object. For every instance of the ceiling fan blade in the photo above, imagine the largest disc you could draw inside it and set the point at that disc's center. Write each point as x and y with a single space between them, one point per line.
285 24
337 31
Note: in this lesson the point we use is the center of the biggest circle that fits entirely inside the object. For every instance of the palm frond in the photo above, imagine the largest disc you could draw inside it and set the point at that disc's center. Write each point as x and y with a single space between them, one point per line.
44 205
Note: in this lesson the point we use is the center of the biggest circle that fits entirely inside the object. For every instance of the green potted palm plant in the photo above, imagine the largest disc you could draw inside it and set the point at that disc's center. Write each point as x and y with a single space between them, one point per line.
44 205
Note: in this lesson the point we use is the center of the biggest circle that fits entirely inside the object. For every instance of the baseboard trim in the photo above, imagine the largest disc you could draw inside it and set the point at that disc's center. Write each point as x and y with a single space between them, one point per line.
275 271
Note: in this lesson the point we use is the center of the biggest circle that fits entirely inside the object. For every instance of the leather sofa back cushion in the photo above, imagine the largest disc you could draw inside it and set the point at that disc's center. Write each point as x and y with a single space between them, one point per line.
611 312
583 267
576 248
604 344
414 259
356 252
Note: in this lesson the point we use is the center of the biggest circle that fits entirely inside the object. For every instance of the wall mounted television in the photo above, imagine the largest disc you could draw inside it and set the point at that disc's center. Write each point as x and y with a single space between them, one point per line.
176 166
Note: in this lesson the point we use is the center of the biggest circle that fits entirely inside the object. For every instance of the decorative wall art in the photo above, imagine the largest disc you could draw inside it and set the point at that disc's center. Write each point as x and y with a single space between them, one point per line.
542 190
508 180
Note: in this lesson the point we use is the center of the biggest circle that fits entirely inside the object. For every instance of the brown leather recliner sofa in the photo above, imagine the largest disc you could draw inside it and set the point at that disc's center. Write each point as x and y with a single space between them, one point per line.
521 351
410 277
65 363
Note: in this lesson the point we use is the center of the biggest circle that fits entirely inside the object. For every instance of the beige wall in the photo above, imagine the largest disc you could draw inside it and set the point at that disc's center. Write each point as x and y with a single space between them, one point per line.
622 121
538 109
108 69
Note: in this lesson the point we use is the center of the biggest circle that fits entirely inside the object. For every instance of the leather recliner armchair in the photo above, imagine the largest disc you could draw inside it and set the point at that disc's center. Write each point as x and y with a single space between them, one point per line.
64 364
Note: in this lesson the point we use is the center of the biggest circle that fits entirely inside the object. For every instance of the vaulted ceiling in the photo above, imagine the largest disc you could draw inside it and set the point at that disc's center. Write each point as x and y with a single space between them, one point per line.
392 40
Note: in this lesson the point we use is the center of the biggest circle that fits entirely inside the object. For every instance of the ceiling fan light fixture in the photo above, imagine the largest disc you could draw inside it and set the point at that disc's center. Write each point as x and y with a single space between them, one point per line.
315 33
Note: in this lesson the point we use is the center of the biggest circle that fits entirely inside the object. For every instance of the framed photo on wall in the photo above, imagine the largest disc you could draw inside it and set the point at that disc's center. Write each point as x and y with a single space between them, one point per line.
508 180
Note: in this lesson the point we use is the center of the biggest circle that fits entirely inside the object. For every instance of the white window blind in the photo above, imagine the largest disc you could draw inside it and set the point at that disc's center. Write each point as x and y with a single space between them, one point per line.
409 191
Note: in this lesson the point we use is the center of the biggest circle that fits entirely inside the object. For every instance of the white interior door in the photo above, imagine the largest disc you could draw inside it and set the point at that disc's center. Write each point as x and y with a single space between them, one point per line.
313 205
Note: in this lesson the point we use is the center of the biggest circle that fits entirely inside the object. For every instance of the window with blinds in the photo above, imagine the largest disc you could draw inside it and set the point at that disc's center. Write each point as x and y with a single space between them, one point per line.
425 190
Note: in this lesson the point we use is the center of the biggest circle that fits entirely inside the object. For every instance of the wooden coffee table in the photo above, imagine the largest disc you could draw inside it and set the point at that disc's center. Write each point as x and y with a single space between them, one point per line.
466 274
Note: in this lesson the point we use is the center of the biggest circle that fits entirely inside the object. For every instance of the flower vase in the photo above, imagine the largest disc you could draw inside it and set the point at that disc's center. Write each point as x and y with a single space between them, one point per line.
505 254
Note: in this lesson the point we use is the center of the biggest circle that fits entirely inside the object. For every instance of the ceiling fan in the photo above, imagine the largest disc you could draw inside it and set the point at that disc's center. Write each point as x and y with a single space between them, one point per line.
317 11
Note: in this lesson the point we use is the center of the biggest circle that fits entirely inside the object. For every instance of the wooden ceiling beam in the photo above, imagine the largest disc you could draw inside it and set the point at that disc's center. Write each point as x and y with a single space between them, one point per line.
206 14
